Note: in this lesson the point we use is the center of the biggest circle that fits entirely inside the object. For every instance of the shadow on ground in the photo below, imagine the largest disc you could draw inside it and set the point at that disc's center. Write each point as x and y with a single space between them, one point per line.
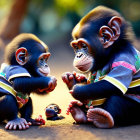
61 61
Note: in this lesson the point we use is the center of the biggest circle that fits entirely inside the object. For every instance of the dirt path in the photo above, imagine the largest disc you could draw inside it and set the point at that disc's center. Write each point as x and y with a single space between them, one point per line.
65 129
61 61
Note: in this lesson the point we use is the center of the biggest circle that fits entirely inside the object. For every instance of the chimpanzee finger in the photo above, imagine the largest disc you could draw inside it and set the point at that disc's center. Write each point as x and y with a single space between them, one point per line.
50 84
74 102
38 123
71 77
71 91
67 112
27 124
68 109
70 105
54 82
24 126
15 127
74 73
53 85
67 77
11 126
20 127
79 77
91 107
53 78
7 125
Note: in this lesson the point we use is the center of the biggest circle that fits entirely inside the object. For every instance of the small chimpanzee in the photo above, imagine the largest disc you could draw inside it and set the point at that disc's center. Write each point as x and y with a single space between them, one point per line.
25 70
52 111
103 45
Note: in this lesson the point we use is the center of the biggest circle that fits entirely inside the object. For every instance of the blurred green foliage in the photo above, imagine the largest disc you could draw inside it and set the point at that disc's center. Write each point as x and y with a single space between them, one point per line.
53 18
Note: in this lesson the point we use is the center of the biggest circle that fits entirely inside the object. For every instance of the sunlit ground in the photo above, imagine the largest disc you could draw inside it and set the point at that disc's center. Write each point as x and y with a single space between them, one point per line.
59 96
60 62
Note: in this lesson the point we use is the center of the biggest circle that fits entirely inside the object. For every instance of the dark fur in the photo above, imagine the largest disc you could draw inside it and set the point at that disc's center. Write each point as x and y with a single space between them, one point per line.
88 28
8 104
52 114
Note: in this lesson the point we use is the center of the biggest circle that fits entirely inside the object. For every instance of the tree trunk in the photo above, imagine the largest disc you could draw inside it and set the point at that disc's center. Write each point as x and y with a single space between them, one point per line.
11 23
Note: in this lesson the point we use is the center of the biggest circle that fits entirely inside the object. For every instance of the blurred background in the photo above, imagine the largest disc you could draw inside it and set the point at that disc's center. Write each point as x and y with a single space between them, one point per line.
52 21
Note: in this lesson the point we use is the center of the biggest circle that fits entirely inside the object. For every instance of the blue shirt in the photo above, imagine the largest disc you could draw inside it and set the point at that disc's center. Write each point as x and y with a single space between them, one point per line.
7 74
123 72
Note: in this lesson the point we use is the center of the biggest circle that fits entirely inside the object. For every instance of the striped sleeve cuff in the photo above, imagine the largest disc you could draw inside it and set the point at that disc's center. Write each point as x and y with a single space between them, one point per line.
19 75
116 83
124 64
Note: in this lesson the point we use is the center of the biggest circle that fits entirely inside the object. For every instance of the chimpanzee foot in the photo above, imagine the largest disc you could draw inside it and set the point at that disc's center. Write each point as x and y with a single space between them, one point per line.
18 123
78 115
100 118
37 122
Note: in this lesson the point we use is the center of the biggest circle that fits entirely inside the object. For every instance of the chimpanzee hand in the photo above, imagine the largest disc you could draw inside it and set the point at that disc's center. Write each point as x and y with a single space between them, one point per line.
18 123
73 78
37 122
79 93
51 85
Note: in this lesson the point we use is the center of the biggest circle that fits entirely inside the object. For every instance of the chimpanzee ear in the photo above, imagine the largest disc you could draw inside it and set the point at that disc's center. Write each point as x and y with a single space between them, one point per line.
22 56
105 36
48 54
115 24
59 111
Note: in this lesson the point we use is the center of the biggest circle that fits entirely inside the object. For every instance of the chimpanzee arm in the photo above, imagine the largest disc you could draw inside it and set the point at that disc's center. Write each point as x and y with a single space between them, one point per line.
29 84
101 89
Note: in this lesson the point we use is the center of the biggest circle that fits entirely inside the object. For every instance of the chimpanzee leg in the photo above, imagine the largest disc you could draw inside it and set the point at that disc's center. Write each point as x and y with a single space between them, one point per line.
123 110
8 107
9 111
27 110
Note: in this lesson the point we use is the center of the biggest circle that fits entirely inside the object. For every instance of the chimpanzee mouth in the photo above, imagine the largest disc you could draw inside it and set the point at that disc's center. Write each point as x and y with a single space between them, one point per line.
48 116
84 64
44 71
84 67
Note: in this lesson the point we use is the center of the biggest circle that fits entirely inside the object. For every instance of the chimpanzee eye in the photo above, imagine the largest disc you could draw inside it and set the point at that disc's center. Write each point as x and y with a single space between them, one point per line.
41 60
55 109
76 47
46 59
84 45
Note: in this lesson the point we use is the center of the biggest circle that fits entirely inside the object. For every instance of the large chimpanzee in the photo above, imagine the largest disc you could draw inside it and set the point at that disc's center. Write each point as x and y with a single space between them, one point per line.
25 70
103 45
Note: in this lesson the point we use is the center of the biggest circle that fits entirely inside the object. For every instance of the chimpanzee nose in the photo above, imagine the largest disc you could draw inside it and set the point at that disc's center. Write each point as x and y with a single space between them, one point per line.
79 54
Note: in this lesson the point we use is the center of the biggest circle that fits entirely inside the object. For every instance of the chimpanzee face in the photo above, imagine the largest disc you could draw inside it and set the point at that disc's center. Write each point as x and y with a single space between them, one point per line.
92 41
54 107
83 61
43 68
34 60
